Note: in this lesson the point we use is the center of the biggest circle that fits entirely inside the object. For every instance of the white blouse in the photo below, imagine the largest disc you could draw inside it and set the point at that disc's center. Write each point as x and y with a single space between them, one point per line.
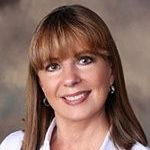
14 141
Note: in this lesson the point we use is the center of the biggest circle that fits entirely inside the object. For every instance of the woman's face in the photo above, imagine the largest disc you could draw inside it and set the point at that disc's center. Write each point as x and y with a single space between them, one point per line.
77 87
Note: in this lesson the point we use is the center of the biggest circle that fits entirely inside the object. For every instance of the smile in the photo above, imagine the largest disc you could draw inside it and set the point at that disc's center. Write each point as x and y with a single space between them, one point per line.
76 98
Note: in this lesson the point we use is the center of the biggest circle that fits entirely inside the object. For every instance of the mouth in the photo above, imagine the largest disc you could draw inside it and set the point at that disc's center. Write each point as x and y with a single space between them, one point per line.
76 98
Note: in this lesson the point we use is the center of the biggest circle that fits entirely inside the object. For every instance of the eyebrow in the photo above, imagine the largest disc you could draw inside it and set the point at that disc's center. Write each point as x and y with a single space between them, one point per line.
84 51
77 53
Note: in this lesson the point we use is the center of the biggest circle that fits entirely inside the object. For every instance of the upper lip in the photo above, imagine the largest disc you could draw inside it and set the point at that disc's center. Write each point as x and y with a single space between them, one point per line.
75 94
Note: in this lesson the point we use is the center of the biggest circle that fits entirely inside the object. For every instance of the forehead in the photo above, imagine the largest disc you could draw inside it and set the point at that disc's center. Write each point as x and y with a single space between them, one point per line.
49 44
75 49
64 47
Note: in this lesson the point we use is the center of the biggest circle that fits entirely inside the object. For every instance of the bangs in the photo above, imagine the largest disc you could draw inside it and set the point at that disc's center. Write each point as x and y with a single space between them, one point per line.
63 40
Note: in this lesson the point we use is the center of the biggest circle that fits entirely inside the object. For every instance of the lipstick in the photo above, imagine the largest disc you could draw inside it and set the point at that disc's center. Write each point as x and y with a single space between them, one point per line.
76 98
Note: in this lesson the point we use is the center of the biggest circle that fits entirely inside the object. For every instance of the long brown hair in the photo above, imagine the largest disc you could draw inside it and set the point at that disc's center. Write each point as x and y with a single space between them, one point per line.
56 34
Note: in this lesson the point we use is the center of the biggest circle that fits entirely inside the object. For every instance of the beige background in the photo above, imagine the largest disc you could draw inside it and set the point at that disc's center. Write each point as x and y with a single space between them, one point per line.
129 22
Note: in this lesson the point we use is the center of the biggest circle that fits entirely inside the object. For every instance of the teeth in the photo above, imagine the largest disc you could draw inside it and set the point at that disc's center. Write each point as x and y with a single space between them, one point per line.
74 98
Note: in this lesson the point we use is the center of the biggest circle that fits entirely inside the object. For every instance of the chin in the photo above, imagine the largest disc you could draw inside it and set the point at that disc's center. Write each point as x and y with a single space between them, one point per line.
79 116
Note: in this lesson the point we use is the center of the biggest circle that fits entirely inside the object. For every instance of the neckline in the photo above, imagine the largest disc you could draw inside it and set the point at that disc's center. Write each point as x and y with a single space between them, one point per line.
49 133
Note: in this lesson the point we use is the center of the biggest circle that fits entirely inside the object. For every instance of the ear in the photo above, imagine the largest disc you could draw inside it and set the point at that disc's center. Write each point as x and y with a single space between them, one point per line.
40 83
112 75
42 89
111 81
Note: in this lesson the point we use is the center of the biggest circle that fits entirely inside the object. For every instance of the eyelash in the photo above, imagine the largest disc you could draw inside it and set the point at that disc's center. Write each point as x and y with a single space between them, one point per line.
51 67
88 59
82 60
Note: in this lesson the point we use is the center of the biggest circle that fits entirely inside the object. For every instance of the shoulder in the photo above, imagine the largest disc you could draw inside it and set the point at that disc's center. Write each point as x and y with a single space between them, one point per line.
13 141
138 146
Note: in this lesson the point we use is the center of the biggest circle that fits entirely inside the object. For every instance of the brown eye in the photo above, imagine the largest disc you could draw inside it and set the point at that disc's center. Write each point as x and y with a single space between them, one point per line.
85 60
52 67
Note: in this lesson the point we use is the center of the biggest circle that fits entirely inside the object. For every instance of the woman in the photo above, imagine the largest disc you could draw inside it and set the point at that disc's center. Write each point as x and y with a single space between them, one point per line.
76 95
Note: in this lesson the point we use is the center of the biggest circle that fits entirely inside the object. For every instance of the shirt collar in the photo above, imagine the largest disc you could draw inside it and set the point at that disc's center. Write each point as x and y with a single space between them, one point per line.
46 145
107 143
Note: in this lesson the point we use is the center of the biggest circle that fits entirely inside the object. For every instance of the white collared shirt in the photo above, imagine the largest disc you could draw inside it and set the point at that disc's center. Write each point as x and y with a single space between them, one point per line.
14 141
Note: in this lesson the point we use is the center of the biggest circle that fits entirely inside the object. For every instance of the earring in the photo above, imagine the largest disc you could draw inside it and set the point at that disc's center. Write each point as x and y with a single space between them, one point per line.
112 89
45 102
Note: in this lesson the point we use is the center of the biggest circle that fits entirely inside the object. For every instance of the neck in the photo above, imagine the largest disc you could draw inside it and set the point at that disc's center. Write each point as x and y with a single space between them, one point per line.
81 131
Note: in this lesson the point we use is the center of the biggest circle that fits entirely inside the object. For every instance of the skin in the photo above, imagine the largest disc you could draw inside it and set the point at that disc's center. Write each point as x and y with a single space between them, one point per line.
77 123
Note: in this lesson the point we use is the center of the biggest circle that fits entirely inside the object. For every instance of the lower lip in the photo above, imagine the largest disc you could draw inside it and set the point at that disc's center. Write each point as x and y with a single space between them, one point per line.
78 101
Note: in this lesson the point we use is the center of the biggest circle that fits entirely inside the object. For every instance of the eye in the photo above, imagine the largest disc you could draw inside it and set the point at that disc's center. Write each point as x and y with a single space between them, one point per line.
85 60
51 67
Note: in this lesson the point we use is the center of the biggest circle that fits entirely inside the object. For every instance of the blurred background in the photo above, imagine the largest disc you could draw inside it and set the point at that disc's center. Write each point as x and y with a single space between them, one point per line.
129 22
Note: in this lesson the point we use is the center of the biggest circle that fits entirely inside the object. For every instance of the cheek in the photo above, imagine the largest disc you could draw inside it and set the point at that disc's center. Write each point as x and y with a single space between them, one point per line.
101 87
98 78
49 87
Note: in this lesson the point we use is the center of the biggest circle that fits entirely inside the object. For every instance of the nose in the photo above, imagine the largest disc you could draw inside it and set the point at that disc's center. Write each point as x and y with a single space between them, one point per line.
71 76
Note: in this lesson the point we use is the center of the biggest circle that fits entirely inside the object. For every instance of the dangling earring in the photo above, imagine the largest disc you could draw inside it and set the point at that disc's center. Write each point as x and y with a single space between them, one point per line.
45 102
112 89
